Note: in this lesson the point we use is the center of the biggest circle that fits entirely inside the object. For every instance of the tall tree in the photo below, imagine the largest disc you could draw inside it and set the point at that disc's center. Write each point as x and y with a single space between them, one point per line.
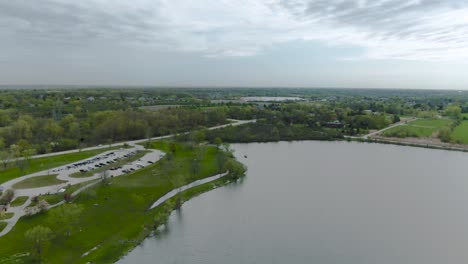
39 237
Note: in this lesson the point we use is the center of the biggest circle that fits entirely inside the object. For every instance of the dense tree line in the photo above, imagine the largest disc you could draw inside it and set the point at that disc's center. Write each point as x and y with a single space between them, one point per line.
104 127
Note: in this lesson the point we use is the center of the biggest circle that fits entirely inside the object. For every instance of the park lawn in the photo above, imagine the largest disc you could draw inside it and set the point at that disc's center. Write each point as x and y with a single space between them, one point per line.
408 131
121 162
45 163
39 181
432 123
55 198
18 201
2 225
418 128
6 216
460 133
115 216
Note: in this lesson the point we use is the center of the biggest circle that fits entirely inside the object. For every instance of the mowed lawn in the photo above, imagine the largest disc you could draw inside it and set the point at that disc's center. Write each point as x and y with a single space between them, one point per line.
418 128
46 163
460 133
39 181
115 216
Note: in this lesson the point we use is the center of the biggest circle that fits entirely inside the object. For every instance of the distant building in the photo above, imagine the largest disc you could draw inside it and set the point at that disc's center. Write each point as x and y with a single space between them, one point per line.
334 124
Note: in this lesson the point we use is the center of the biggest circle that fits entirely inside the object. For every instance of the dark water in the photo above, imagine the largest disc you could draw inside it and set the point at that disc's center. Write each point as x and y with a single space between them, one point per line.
326 202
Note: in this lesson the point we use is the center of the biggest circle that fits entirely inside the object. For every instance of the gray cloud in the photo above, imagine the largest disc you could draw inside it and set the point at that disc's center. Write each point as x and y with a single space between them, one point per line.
418 29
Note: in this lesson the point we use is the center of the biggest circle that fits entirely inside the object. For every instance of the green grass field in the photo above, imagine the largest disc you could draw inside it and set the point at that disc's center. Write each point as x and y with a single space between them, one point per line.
39 181
6 216
460 133
418 128
46 163
58 197
115 216
2 225
18 201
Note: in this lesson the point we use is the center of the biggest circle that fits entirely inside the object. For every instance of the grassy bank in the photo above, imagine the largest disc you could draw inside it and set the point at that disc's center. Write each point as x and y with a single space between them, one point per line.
115 217
45 163
460 133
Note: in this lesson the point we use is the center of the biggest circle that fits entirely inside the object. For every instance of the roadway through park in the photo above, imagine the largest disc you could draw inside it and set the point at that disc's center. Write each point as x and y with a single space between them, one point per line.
63 172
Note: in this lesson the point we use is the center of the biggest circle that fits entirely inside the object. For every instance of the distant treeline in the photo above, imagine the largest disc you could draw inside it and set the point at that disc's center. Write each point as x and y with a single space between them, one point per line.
44 135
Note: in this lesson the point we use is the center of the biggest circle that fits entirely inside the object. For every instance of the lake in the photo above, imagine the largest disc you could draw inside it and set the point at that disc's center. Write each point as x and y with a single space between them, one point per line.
327 203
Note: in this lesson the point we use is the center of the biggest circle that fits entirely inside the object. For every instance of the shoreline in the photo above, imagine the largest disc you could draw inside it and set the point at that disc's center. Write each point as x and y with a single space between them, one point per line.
221 180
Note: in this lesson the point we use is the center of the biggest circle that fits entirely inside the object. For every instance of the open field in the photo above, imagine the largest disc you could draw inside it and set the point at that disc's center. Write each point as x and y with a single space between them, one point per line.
418 128
39 181
2 225
460 133
18 201
115 216
45 163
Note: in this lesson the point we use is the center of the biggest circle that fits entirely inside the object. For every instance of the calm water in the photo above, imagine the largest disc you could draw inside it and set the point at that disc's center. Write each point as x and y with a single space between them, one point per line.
325 202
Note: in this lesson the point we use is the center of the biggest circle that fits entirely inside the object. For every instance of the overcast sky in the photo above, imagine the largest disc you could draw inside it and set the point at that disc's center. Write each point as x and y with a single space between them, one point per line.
296 43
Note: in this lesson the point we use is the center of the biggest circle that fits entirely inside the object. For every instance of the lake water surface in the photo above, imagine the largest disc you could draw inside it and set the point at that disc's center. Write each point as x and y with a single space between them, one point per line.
327 203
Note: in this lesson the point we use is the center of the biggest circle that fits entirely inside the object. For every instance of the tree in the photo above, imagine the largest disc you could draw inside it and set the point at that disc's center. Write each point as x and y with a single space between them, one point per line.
453 111
221 159
199 136
104 177
218 141
236 169
66 217
445 134
5 158
39 237
7 197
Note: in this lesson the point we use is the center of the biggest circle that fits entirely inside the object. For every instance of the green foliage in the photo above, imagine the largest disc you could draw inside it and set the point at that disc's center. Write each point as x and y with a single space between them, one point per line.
453 111
445 134
39 237
7 196
236 169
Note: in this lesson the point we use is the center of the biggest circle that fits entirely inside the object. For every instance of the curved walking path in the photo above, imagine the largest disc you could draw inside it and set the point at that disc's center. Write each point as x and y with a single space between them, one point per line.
196 183
64 172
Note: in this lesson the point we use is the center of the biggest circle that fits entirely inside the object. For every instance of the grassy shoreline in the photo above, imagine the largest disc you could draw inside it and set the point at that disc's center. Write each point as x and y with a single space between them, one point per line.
115 217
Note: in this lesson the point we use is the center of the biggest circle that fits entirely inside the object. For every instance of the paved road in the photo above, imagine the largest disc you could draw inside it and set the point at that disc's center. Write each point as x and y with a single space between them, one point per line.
64 172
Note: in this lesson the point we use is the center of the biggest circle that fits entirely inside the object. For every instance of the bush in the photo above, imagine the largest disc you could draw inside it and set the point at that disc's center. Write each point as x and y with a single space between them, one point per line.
7 197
